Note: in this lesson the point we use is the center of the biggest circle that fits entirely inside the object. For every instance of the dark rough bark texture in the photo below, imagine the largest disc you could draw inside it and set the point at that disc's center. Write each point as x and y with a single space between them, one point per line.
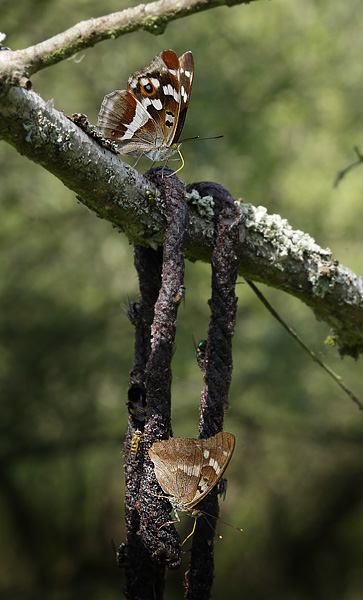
139 566
217 370
151 549
152 545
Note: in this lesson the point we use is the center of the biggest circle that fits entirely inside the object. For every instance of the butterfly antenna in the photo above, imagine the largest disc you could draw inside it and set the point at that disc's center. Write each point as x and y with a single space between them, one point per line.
197 137
205 514
210 524
137 161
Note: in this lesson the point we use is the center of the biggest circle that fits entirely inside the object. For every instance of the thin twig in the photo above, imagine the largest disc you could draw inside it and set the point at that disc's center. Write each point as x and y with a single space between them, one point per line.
342 173
293 333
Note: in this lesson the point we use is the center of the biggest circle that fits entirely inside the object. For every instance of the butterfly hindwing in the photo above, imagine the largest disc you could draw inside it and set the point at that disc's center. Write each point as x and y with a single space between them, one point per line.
188 469
135 133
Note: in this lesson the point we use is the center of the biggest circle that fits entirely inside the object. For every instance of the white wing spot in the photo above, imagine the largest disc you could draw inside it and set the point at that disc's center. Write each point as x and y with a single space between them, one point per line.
144 80
188 74
184 94
196 470
155 82
157 104
140 118
191 470
206 454
173 72
203 485
170 91
213 463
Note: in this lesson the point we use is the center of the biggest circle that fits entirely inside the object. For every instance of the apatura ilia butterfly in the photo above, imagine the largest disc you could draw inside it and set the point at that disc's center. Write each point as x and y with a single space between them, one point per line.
148 117
188 469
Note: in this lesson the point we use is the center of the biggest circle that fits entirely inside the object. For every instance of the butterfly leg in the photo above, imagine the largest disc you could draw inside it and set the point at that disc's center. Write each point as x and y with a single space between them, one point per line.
176 520
137 160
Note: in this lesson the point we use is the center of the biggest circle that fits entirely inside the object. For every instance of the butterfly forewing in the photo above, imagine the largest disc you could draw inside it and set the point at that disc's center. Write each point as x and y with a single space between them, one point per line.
147 119
186 62
157 87
188 469
217 452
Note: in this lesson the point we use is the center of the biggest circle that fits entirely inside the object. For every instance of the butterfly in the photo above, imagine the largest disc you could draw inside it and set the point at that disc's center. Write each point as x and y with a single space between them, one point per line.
188 469
148 117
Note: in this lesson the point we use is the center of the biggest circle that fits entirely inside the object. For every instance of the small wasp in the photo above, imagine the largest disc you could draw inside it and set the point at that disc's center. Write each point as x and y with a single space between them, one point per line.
135 442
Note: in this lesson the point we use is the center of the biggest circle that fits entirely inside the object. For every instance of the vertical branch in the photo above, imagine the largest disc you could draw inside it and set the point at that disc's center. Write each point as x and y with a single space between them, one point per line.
218 372
158 547
148 264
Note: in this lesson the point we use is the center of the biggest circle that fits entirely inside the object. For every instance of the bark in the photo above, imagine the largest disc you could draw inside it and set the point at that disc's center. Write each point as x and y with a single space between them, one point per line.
273 253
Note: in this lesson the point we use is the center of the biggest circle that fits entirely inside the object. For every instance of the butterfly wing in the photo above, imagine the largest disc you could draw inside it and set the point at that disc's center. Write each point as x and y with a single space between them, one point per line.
217 452
148 117
177 467
123 119
188 469
163 88
186 64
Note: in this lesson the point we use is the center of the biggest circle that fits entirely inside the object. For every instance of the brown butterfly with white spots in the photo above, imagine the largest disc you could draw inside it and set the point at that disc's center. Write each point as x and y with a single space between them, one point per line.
148 117
188 469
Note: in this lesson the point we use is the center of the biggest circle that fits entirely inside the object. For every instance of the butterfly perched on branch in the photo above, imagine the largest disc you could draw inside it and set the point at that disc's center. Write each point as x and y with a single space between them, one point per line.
148 117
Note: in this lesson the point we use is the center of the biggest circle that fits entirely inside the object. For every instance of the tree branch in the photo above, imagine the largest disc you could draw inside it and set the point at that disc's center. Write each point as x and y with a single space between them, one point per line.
273 253
16 67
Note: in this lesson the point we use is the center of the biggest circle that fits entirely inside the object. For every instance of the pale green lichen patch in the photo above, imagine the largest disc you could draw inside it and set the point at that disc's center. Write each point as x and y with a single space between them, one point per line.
34 135
43 129
329 275
323 278
204 205
59 55
155 25
275 230
200 220
320 283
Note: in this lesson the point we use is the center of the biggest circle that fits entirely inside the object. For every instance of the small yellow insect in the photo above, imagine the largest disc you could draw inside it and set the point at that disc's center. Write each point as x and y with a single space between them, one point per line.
135 442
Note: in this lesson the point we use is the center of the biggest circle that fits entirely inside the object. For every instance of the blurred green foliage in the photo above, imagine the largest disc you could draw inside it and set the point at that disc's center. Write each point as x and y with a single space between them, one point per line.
283 83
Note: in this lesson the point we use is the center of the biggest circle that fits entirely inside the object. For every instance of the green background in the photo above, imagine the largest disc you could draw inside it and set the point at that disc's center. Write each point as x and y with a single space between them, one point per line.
282 81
